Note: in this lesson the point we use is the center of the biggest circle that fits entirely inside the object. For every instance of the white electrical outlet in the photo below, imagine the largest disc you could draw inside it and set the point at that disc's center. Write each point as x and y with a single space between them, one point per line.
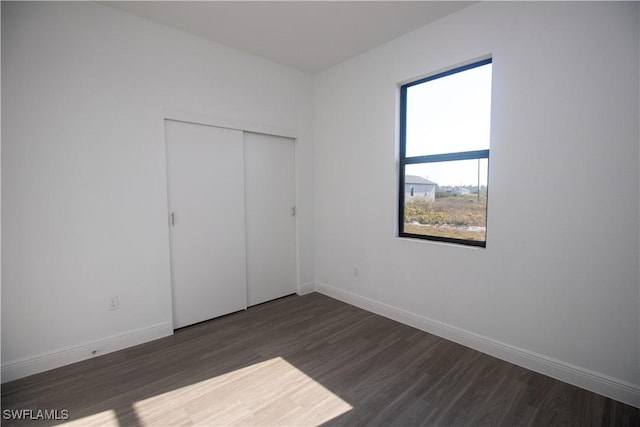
114 304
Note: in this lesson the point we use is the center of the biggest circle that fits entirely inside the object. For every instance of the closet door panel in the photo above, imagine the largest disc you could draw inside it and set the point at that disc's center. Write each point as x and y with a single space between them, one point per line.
271 224
205 167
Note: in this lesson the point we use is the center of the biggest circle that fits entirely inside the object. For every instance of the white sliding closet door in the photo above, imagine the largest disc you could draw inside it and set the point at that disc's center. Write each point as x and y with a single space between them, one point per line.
271 225
205 167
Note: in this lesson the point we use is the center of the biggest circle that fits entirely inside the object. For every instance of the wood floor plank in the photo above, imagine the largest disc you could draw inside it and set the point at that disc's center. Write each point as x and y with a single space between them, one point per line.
495 408
307 360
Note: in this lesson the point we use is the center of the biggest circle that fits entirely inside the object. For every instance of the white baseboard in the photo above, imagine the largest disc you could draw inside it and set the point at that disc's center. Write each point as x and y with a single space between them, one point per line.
306 288
33 365
594 381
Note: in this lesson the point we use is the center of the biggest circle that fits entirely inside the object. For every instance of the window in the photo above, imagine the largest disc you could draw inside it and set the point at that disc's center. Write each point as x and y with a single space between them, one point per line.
444 149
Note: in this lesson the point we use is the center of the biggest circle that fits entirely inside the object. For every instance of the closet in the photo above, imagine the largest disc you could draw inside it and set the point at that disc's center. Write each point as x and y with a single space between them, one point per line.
231 219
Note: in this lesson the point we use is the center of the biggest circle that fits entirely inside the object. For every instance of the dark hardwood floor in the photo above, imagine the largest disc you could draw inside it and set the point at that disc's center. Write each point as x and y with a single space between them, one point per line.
307 360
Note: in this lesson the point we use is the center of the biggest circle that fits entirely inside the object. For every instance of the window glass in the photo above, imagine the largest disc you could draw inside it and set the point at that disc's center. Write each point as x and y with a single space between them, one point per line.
449 114
447 199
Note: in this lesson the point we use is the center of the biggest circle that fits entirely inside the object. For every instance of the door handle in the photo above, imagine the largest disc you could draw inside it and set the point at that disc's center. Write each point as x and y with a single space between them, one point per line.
173 219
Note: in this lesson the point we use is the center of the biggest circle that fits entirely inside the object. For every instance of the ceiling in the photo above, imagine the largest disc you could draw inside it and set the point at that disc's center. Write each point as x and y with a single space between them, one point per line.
308 35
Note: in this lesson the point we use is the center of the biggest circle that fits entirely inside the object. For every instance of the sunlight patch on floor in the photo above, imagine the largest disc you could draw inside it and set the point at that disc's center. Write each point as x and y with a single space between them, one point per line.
273 392
105 418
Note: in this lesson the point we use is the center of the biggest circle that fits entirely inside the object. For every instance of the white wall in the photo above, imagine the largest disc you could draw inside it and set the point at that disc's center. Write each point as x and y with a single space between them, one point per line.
84 174
557 288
